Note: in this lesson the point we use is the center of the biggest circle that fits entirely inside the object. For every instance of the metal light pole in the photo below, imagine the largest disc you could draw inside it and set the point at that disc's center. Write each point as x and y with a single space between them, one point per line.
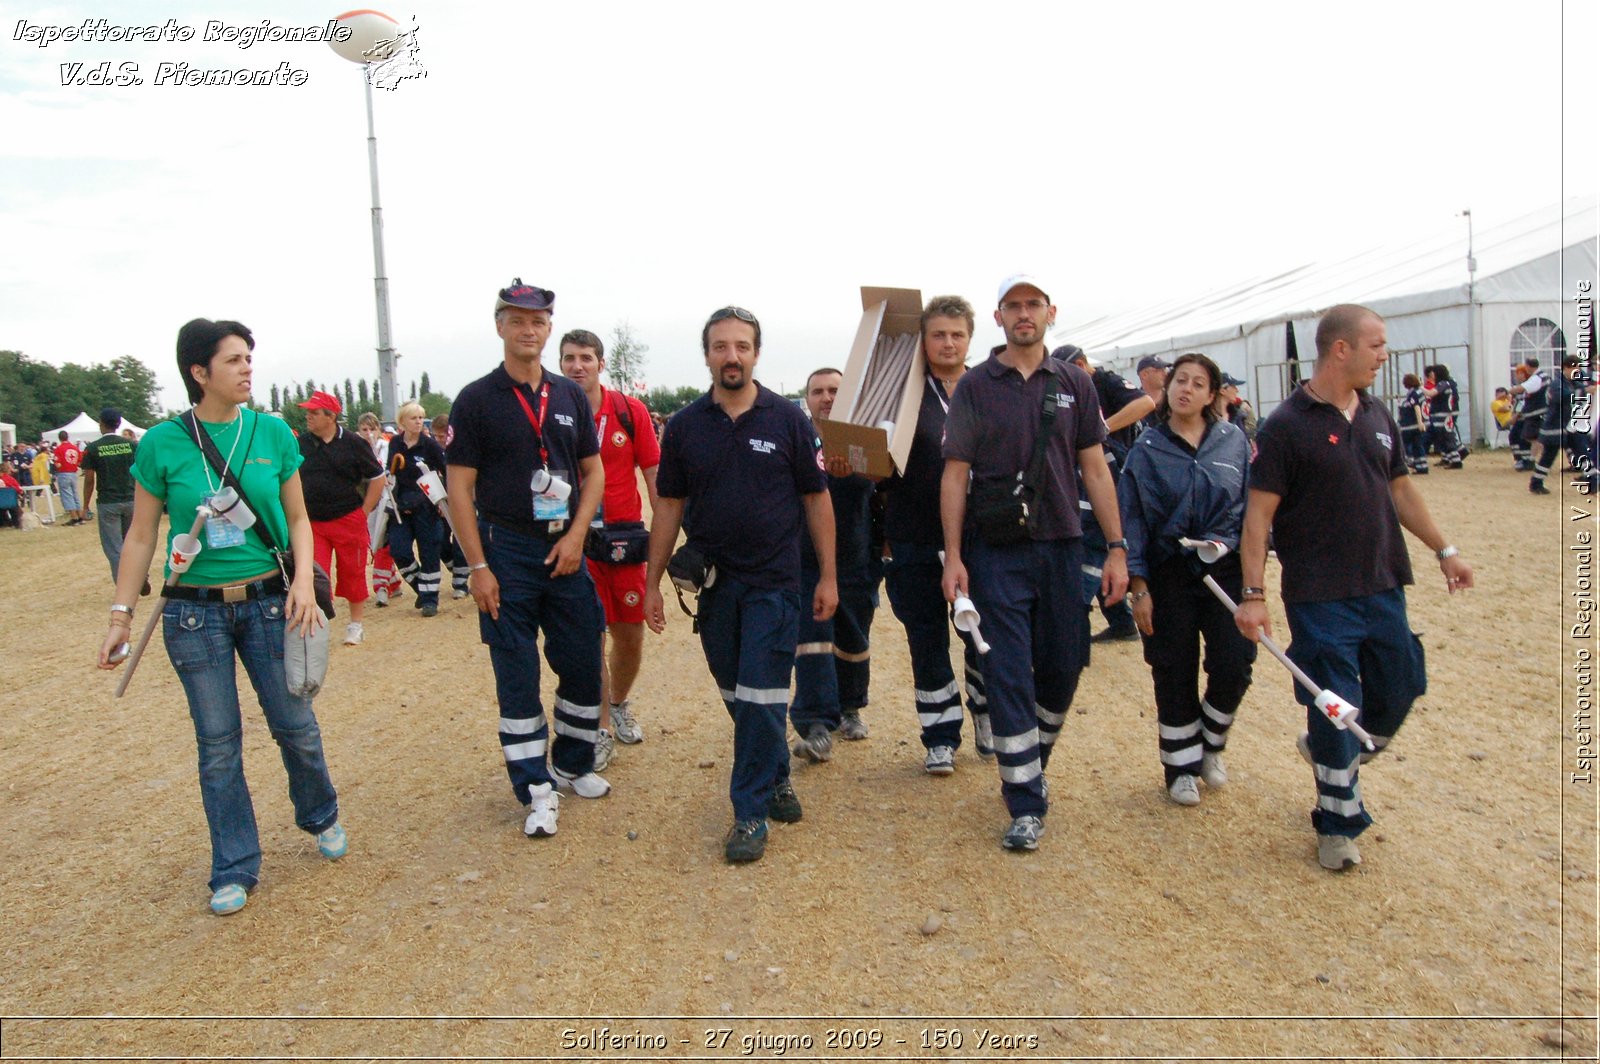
372 38
380 276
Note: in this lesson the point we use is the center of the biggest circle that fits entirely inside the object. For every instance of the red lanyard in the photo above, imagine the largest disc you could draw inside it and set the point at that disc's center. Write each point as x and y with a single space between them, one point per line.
537 422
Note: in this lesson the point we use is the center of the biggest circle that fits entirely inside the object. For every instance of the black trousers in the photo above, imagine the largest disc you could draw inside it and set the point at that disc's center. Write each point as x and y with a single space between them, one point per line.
1184 612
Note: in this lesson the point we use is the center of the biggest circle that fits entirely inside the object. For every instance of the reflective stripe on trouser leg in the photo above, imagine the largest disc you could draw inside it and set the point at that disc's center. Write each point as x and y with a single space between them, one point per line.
816 681
1031 602
749 637
912 579
566 609
852 652
1362 649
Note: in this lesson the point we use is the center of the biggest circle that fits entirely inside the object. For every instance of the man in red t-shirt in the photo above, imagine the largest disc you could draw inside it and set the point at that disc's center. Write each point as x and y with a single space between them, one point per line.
68 456
627 442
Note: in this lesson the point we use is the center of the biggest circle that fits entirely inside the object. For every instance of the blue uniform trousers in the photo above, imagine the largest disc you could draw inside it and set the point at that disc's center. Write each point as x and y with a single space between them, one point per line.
832 662
749 636
1030 597
567 609
1363 650
912 577
414 543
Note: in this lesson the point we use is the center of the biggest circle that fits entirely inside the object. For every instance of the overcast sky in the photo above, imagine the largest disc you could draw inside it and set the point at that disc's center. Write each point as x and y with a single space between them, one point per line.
652 162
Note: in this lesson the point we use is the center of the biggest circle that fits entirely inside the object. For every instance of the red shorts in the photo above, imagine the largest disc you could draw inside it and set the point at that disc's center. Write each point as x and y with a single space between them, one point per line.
621 590
344 538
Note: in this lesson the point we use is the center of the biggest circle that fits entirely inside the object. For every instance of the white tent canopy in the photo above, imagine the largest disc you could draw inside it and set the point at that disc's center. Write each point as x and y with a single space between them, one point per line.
1522 293
84 428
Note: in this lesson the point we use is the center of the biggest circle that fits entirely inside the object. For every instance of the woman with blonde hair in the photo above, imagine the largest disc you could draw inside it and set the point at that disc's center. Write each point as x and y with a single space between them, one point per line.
415 539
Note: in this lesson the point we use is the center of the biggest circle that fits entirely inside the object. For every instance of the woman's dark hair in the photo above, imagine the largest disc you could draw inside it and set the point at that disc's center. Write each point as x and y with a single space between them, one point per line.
197 343
1210 413
1441 372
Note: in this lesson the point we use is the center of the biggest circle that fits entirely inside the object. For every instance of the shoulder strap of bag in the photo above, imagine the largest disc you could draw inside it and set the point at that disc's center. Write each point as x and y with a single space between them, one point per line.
624 413
220 465
1047 416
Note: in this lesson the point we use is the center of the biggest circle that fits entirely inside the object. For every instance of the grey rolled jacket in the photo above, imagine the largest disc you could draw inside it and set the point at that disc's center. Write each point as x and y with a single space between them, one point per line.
1167 493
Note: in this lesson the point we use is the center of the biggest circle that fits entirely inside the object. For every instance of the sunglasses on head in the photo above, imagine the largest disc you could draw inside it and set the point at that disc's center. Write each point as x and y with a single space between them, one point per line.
732 312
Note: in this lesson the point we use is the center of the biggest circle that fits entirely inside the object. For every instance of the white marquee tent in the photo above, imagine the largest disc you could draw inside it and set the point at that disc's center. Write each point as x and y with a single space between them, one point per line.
1521 301
84 428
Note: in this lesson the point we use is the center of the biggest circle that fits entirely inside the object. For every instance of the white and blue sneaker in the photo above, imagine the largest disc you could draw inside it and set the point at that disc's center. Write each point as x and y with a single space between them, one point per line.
228 899
332 843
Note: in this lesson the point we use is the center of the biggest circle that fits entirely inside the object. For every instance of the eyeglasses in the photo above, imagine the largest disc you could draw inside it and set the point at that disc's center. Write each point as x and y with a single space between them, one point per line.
732 312
1033 305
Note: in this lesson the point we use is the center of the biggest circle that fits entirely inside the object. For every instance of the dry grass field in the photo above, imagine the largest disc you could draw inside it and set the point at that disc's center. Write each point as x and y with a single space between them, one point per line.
888 923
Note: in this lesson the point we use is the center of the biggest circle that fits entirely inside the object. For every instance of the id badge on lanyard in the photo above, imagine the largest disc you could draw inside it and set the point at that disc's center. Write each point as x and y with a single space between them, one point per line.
221 532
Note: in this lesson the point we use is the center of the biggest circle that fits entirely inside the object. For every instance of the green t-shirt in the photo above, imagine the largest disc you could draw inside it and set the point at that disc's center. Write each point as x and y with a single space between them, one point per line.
170 466
111 457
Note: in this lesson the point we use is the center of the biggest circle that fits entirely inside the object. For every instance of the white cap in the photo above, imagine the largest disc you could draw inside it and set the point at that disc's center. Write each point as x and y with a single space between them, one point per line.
1020 279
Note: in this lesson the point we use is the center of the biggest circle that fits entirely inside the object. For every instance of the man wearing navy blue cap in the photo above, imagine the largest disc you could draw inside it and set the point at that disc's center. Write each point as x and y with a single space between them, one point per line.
740 467
1022 426
522 446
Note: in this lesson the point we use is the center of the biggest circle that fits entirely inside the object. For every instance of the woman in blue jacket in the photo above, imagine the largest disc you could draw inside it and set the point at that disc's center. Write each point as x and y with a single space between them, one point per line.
1185 478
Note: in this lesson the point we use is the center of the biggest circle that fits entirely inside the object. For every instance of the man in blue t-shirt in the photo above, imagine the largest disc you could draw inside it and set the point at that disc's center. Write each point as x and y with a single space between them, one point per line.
740 468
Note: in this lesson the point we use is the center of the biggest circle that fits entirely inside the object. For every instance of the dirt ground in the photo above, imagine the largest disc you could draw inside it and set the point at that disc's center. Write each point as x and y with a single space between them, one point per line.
889 923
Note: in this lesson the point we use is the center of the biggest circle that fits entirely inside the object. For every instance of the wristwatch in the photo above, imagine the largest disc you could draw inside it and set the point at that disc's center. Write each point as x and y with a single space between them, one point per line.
1117 544
1446 552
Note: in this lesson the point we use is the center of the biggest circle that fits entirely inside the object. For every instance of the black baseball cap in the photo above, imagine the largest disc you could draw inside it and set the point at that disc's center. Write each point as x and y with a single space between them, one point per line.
1151 362
1228 378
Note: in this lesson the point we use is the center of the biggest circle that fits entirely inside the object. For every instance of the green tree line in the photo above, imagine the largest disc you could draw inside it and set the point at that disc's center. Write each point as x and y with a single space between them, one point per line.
36 396
358 397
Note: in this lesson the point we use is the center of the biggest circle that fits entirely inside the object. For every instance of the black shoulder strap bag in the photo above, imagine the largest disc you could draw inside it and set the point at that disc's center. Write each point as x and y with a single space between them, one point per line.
322 587
1004 513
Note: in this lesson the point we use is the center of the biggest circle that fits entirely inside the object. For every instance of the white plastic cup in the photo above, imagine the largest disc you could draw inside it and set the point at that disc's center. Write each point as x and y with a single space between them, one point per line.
545 484
967 619
225 503
1208 550
432 487
1337 710
184 549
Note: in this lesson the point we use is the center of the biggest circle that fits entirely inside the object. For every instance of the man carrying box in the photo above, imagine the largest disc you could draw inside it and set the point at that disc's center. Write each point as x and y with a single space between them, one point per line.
832 665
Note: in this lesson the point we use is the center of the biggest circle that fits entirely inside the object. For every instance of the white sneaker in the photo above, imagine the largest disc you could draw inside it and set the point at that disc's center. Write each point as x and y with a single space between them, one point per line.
353 633
544 808
941 761
626 727
588 785
604 747
380 597
458 593
1212 770
1185 790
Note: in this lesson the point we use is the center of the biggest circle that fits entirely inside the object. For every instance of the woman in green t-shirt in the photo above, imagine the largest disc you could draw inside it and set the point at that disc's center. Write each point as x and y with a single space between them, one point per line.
232 601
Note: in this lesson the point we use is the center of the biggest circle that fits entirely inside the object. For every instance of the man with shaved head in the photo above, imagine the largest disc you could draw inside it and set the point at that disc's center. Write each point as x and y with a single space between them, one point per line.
1331 485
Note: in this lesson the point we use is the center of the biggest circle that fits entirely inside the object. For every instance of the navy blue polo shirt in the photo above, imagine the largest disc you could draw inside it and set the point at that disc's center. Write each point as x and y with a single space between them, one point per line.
1336 529
1116 393
852 530
741 482
490 432
994 421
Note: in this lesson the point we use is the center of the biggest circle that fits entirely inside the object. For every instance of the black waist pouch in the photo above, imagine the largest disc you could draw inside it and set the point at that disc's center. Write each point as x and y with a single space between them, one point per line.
998 512
624 543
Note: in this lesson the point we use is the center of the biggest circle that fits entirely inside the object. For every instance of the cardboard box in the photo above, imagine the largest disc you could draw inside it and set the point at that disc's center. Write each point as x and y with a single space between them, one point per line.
856 432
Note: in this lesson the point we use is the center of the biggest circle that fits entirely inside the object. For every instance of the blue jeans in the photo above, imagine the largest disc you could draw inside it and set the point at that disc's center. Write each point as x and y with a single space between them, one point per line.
567 610
202 639
114 520
1363 650
749 636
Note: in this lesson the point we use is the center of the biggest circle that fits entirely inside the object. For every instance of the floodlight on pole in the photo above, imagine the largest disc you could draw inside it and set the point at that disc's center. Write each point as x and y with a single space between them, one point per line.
373 38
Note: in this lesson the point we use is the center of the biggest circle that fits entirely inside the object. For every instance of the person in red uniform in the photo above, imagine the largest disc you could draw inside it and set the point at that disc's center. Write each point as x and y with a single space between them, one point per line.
343 483
627 442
